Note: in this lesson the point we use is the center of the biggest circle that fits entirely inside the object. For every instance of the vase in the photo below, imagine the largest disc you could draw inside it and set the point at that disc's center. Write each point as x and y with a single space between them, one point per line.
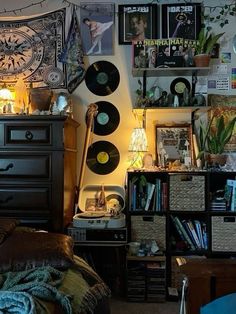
202 60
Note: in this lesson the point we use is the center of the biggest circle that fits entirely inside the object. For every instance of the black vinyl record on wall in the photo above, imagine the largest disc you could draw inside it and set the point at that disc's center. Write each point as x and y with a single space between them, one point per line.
103 157
102 78
107 118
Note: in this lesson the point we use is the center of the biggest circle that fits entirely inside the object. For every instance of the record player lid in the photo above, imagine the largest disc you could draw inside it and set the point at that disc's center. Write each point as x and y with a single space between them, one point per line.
114 194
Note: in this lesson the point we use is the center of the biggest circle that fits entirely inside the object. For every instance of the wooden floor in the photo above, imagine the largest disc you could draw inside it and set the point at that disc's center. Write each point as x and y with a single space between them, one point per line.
120 306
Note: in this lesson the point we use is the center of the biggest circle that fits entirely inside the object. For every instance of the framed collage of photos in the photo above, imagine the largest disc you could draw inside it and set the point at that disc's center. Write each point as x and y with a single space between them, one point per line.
174 142
137 22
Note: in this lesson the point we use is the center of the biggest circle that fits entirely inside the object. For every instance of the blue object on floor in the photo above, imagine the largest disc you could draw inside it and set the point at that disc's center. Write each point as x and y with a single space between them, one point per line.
225 304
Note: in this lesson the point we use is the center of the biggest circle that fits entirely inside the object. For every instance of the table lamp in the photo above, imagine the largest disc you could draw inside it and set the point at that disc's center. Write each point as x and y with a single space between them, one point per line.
138 145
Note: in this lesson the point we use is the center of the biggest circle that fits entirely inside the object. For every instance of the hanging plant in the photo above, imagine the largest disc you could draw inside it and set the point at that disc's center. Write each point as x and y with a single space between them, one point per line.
219 14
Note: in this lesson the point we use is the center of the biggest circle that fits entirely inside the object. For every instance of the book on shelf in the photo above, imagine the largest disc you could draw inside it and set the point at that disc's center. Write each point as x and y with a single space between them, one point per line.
194 233
150 192
158 195
182 232
230 194
164 196
199 231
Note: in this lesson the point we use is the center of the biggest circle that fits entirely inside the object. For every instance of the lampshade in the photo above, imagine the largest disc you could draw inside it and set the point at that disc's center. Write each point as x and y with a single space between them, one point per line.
138 141
5 94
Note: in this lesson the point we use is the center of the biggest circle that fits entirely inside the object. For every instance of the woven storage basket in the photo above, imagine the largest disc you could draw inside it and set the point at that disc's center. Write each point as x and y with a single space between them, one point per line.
187 192
149 228
223 233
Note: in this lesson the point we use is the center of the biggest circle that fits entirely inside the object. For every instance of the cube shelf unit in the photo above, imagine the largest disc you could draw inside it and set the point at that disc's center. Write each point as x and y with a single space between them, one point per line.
184 197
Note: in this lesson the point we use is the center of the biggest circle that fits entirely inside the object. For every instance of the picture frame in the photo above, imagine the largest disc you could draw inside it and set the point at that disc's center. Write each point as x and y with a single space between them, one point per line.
223 105
174 142
181 20
137 22
97 28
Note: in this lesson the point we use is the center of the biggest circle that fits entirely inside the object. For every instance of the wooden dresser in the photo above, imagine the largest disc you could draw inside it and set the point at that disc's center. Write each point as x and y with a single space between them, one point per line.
38 169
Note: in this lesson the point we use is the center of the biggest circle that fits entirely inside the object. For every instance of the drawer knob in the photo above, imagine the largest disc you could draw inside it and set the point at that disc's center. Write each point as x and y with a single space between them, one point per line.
29 135
8 199
7 167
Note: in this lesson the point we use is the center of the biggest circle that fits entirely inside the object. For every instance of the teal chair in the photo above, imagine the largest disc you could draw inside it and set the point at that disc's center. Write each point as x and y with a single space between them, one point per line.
222 305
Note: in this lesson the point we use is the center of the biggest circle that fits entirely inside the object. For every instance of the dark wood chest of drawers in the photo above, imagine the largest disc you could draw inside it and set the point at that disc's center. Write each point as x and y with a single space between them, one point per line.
38 170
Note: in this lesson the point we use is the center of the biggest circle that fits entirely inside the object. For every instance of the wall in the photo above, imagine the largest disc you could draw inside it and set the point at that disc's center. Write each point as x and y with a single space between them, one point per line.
123 98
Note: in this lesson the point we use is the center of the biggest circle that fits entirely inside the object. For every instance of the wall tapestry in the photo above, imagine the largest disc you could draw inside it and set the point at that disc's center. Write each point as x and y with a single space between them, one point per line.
30 49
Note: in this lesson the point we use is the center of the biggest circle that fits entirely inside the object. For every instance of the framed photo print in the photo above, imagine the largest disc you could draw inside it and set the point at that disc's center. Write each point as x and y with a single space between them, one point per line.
181 20
137 22
173 142
97 28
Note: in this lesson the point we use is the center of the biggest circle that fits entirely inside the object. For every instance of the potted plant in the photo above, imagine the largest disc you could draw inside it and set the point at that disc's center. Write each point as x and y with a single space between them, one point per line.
206 42
214 138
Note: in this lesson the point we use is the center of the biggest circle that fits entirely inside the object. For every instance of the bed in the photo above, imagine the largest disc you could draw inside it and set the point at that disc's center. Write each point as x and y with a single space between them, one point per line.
40 274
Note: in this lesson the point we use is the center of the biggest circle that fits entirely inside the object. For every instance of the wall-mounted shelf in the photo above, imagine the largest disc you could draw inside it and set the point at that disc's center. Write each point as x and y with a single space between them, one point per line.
140 111
136 72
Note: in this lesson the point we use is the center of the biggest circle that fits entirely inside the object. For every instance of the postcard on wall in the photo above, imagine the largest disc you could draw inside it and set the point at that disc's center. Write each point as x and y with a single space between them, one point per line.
97 28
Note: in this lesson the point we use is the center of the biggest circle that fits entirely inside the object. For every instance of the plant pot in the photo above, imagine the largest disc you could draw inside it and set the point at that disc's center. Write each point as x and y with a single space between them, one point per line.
202 60
217 159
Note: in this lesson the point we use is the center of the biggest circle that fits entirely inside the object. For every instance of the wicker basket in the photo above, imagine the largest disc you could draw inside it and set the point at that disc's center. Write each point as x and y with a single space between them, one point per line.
223 233
187 192
149 228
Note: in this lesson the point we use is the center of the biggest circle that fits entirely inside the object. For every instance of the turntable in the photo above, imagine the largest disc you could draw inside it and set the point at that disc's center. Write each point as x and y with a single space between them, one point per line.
97 213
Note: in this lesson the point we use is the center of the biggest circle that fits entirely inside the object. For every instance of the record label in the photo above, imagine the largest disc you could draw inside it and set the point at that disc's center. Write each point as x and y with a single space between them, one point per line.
102 78
103 157
107 119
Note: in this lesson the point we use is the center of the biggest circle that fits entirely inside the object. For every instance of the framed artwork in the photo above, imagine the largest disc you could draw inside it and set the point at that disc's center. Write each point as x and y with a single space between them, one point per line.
137 22
181 20
224 105
173 142
97 28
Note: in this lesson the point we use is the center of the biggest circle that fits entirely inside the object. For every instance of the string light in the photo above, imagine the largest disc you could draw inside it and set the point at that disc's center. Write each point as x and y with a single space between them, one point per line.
211 14
23 8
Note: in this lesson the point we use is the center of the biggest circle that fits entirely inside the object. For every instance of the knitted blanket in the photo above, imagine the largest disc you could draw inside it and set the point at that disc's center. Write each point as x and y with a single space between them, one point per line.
25 287
77 290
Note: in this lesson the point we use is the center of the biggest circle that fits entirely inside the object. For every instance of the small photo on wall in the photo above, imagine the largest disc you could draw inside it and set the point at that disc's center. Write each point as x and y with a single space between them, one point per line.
137 22
97 28
181 20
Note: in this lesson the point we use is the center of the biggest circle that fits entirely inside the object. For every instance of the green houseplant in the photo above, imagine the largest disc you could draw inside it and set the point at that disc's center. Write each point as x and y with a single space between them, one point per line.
212 139
206 42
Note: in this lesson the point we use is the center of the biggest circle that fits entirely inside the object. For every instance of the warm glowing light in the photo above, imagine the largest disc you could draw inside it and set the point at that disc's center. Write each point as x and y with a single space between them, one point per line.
138 141
6 94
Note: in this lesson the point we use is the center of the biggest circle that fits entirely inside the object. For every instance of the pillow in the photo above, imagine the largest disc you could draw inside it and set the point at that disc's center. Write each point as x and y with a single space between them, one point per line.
6 227
26 250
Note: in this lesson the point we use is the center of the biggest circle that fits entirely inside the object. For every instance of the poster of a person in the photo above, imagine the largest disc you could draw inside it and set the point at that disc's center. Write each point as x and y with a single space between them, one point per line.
136 23
97 23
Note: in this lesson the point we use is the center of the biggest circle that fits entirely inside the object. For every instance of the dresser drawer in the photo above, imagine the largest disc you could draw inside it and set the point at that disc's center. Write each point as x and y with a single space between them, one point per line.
21 165
25 198
29 134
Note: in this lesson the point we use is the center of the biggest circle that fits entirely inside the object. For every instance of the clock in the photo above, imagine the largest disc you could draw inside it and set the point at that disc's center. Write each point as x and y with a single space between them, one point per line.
21 52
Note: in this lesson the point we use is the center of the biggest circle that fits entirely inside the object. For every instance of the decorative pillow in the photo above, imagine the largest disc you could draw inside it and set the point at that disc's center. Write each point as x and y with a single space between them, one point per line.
7 226
26 250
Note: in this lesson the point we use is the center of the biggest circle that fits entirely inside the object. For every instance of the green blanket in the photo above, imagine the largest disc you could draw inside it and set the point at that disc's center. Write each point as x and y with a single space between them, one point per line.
40 283
77 290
